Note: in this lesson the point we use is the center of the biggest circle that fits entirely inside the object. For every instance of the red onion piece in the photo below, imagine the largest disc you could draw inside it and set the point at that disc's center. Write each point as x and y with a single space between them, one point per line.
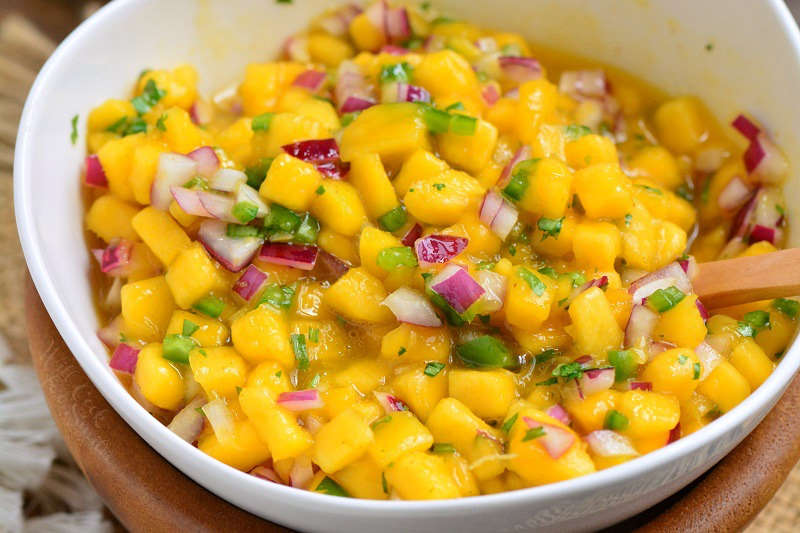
498 214
333 169
394 50
414 233
556 440
596 380
300 400
329 266
376 13
656 347
495 286
560 414
207 161
439 248
701 309
296 48
607 443
115 257
110 334
486 44
233 253
411 307
299 256
313 80
744 216
762 233
201 112
765 160
173 171
640 326
354 103
189 201
670 275
457 287
227 180
266 473
220 207
302 472
708 356
391 404
584 360
520 69
734 195
689 265
746 127
352 91
338 22
412 93
641 385
188 423
313 151
523 153
674 433
398 27
249 283
220 418
124 358
95 175
583 84
490 94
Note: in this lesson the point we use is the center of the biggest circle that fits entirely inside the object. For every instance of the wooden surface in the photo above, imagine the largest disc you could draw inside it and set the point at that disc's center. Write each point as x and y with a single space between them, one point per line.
146 493
748 279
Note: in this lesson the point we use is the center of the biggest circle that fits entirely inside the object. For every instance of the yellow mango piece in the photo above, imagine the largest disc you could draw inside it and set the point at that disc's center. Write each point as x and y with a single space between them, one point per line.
357 296
341 441
725 386
191 275
682 325
116 158
110 218
536 105
528 299
263 334
271 376
263 84
444 73
369 177
286 128
548 191
291 182
331 343
362 479
339 207
680 125
365 375
675 372
664 204
366 35
178 84
657 164
146 308
421 476
327 49
274 425
243 451
596 245
487 393
590 150
235 140
181 134
371 242
773 340
603 190
401 433
420 165
594 328
393 131
444 199
158 380
160 233
108 113
341 246
307 301
481 241
408 342
469 152
209 332
143 171
558 245
420 391
648 413
219 370
750 360
589 414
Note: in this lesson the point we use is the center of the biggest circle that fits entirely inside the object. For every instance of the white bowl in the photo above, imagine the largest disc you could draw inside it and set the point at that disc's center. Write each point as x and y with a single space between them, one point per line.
753 66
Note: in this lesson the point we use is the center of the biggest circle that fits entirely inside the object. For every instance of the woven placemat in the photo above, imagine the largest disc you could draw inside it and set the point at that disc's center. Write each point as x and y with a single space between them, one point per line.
22 51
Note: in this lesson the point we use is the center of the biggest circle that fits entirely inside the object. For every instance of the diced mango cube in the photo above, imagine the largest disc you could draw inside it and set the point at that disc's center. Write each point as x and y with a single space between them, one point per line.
219 370
146 308
680 125
339 207
243 451
469 152
603 190
161 233
487 393
262 334
291 182
422 476
209 332
442 200
158 380
341 441
191 275
401 433
369 177
594 328
110 218
357 296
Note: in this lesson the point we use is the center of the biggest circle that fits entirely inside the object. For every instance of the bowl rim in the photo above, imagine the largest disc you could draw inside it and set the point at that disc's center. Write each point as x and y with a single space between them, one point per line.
169 445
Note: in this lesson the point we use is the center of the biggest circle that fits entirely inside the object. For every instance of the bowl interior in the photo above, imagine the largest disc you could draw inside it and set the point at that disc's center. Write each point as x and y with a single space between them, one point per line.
752 66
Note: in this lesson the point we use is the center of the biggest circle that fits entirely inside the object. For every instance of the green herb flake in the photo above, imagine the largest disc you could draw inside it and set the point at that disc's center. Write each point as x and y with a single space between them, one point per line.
463 125
650 189
313 334
384 420
547 382
238 390
73 136
546 355
150 96
709 47
189 328
401 351
628 218
753 322
118 126
384 484
519 181
533 433
662 300
508 424
278 374
439 186
780 209
576 131
278 296
348 118
161 122
315 381
298 341
398 72
393 219
685 192
395 257
682 358
245 211
537 286
261 122
512 250
432 369
320 190
442 447
786 306
697 370
550 227
327 485
177 347
210 306
486 265
616 421
705 192
577 278
568 371
779 354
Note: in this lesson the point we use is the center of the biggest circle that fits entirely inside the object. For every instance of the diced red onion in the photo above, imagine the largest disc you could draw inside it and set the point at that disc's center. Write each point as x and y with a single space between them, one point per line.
414 233
600 283
95 175
708 356
765 160
556 440
701 309
115 257
338 22
302 472
299 256
582 84
245 193
434 43
398 27
207 161
746 127
189 201
689 265
744 216
439 248
670 275
571 390
403 92
607 443
300 400
709 160
313 80
640 326
249 283
218 206
498 214
124 358
512 94
188 423
641 385
766 213
110 334
296 48
376 13
486 44
201 112
734 195
394 50
354 103
233 253
266 473
333 169
656 347
457 287
560 414
520 69
329 266
597 380
523 153
585 361
174 170
391 404
495 286
227 179
674 433
352 92
313 151
220 418
411 307
762 233
490 94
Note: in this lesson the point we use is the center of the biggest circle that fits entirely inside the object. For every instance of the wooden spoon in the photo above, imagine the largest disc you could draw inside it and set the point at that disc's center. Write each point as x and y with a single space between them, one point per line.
748 279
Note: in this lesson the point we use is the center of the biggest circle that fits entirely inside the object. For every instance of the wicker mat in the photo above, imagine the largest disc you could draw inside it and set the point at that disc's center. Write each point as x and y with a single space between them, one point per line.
22 51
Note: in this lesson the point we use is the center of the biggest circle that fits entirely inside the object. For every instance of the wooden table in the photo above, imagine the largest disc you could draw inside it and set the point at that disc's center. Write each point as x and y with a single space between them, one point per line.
146 493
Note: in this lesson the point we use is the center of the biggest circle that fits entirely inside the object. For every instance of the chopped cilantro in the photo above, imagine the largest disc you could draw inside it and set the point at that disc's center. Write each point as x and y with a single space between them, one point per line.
650 189
548 381
537 286
150 96
628 218
298 341
380 421
550 227
546 355
696 367
73 136
576 131
533 433
786 306
320 190
753 322
161 122
684 192
315 381
398 72
568 371
682 359
313 334
508 424
279 296
443 447
189 328
439 186
432 369
549 272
